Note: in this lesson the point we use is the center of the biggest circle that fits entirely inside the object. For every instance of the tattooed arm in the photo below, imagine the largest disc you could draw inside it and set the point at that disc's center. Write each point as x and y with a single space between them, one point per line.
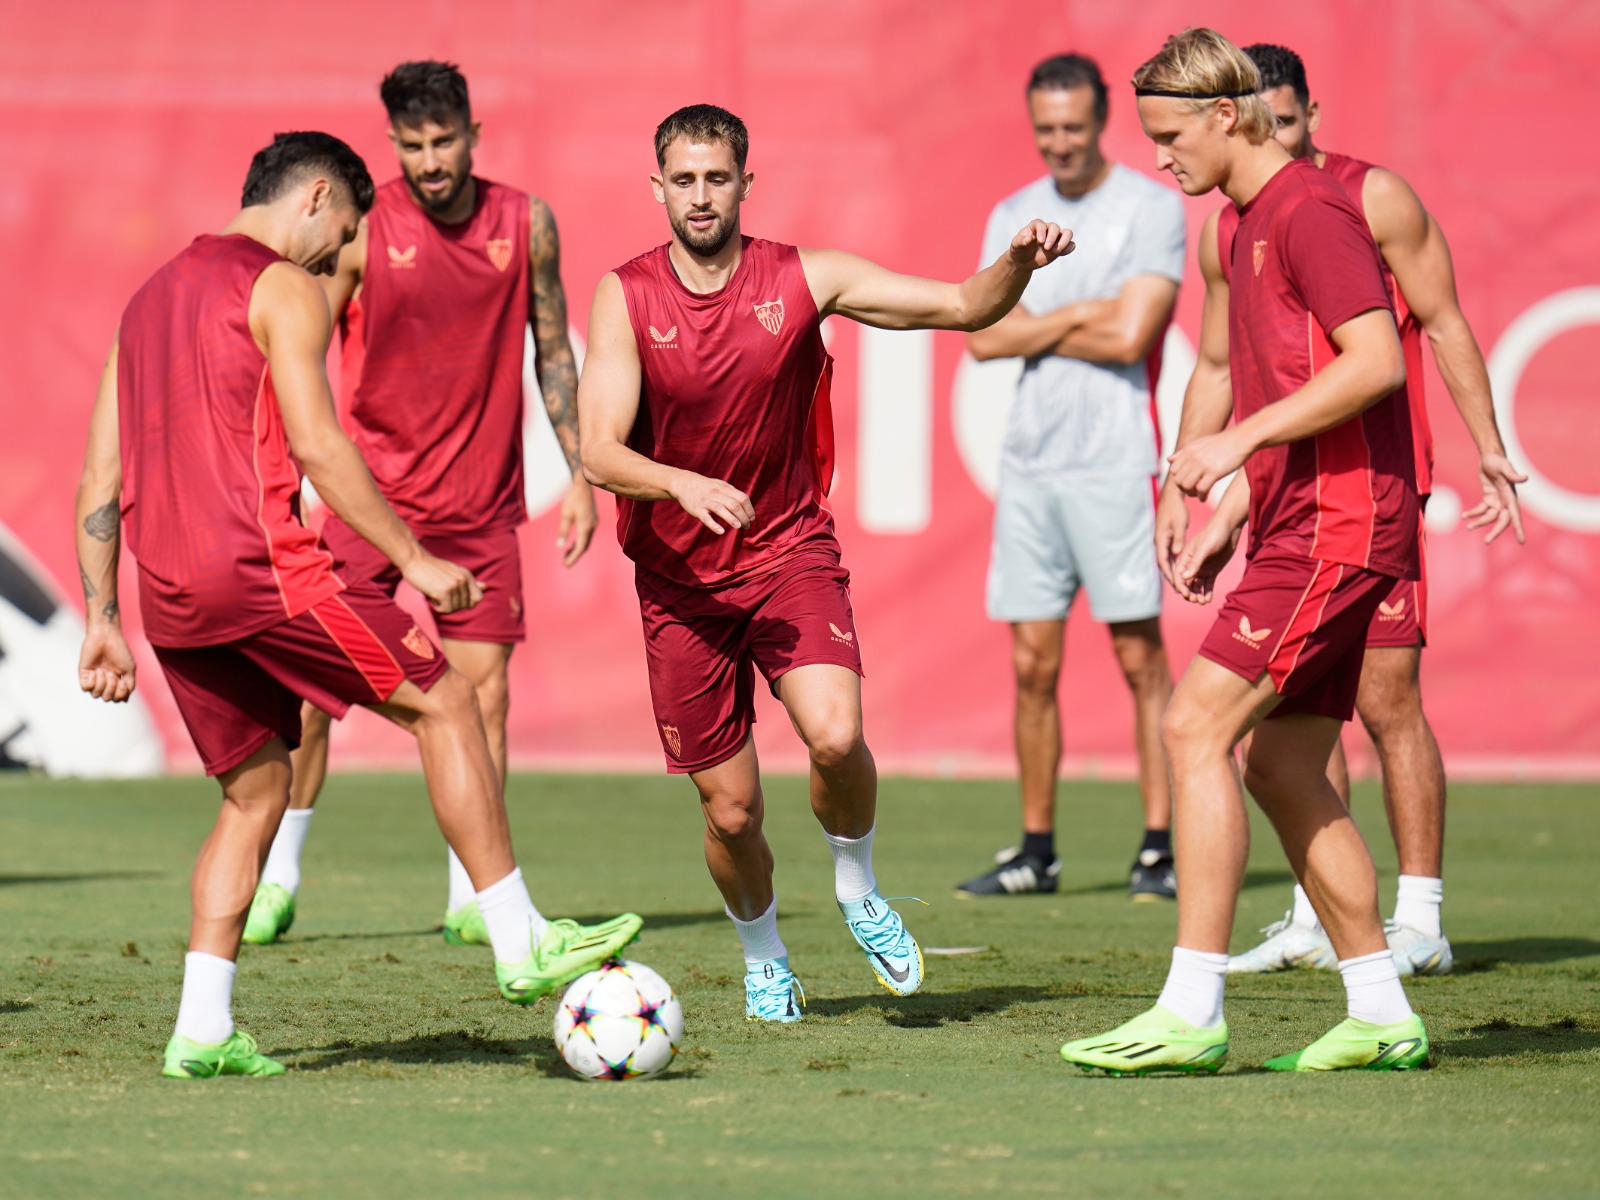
105 666
558 374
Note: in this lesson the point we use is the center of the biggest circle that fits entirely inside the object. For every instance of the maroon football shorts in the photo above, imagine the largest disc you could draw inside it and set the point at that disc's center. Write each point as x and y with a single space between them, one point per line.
353 648
702 647
1402 617
494 558
1305 622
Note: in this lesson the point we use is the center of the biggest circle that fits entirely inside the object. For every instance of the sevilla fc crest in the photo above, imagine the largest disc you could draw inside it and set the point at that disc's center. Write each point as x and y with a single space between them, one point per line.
770 315
674 740
1260 255
416 642
499 252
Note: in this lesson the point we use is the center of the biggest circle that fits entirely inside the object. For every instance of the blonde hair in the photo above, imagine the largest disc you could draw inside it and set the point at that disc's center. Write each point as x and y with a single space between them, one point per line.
1200 66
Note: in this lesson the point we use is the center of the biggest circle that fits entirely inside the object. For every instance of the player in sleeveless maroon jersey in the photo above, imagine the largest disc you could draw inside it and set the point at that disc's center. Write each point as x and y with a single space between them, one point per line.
704 406
214 399
1322 433
434 299
1422 280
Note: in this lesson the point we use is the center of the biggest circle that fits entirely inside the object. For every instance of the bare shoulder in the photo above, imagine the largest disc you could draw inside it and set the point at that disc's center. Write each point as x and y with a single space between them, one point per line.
286 294
1390 203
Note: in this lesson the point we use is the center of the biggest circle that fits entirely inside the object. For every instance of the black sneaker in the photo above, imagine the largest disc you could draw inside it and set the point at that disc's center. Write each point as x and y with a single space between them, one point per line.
1152 877
1014 874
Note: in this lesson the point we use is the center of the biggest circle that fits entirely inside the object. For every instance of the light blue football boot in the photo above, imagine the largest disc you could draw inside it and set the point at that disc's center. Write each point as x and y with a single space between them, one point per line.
892 953
770 992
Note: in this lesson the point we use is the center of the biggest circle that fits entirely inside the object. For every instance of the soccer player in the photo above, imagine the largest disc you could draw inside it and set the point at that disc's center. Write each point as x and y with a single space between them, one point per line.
214 398
1077 473
1328 485
434 298
1422 281
704 406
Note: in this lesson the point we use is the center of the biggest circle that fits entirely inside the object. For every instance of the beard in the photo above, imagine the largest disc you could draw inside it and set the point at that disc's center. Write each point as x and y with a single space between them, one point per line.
443 201
709 243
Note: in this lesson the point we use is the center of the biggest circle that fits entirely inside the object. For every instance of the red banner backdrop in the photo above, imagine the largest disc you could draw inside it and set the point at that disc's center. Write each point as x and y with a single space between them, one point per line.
888 128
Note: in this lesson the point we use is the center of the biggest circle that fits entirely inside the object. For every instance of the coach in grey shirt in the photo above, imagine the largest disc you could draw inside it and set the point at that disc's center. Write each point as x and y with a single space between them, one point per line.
1076 505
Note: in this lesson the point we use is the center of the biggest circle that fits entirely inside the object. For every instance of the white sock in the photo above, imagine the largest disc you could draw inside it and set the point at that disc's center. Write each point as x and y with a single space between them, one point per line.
1194 987
1416 903
1372 985
760 937
1304 915
205 1014
283 860
852 866
515 925
461 889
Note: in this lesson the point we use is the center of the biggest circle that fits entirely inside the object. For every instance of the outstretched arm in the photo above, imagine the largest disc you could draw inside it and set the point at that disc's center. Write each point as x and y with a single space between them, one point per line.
608 405
290 320
105 666
558 375
1415 249
863 291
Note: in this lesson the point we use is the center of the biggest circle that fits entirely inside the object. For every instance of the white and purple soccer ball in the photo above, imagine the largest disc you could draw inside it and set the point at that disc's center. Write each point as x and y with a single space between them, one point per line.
620 1022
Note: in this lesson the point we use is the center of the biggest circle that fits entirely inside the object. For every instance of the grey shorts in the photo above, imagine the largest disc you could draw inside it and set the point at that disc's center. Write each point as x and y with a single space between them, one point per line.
1051 537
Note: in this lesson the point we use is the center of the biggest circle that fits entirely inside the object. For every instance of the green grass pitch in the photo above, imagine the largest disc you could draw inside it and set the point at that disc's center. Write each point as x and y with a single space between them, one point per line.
409 1077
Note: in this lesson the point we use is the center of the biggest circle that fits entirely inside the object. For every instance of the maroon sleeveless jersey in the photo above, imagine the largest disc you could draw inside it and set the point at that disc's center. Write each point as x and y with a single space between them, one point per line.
1351 174
210 494
735 386
432 360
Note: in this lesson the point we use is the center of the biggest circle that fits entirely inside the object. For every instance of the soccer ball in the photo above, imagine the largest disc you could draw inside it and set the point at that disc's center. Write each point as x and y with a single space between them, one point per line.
620 1022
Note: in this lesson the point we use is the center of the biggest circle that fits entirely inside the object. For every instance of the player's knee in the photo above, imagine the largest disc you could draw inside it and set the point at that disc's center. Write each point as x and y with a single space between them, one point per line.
1186 730
1391 713
494 698
452 698
1143 663
1038 670
733 818
834 743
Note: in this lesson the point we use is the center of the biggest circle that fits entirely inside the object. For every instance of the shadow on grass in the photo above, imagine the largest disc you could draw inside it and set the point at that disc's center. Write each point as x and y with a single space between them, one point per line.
667 920
8 880
1472 957
294 940
928 1010
1502 1038
1252 879
537 1053
15 1006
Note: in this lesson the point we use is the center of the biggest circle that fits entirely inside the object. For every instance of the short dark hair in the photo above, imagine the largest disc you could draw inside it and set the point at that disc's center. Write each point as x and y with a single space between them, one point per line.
703 123
1280 67
1066 71
293 156
415 92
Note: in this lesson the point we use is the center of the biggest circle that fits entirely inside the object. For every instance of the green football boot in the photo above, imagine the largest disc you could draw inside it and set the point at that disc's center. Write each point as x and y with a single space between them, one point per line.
271 914
566 951
1156 1042
1354 1045
464 926
198 1060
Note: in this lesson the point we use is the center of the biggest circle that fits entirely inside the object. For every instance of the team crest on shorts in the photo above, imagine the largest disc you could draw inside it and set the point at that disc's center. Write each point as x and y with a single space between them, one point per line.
500 252
673 739
770 315
416 642
1260 255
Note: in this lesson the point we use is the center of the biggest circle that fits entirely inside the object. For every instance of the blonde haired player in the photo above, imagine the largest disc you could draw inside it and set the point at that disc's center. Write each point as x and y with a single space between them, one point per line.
1322 433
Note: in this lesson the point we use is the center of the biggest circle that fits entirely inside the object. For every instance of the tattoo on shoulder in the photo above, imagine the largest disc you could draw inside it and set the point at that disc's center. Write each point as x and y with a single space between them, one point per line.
102 523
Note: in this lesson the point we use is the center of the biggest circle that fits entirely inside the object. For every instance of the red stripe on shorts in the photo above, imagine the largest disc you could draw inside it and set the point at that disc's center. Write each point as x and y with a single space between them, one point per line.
1306 620
360 645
